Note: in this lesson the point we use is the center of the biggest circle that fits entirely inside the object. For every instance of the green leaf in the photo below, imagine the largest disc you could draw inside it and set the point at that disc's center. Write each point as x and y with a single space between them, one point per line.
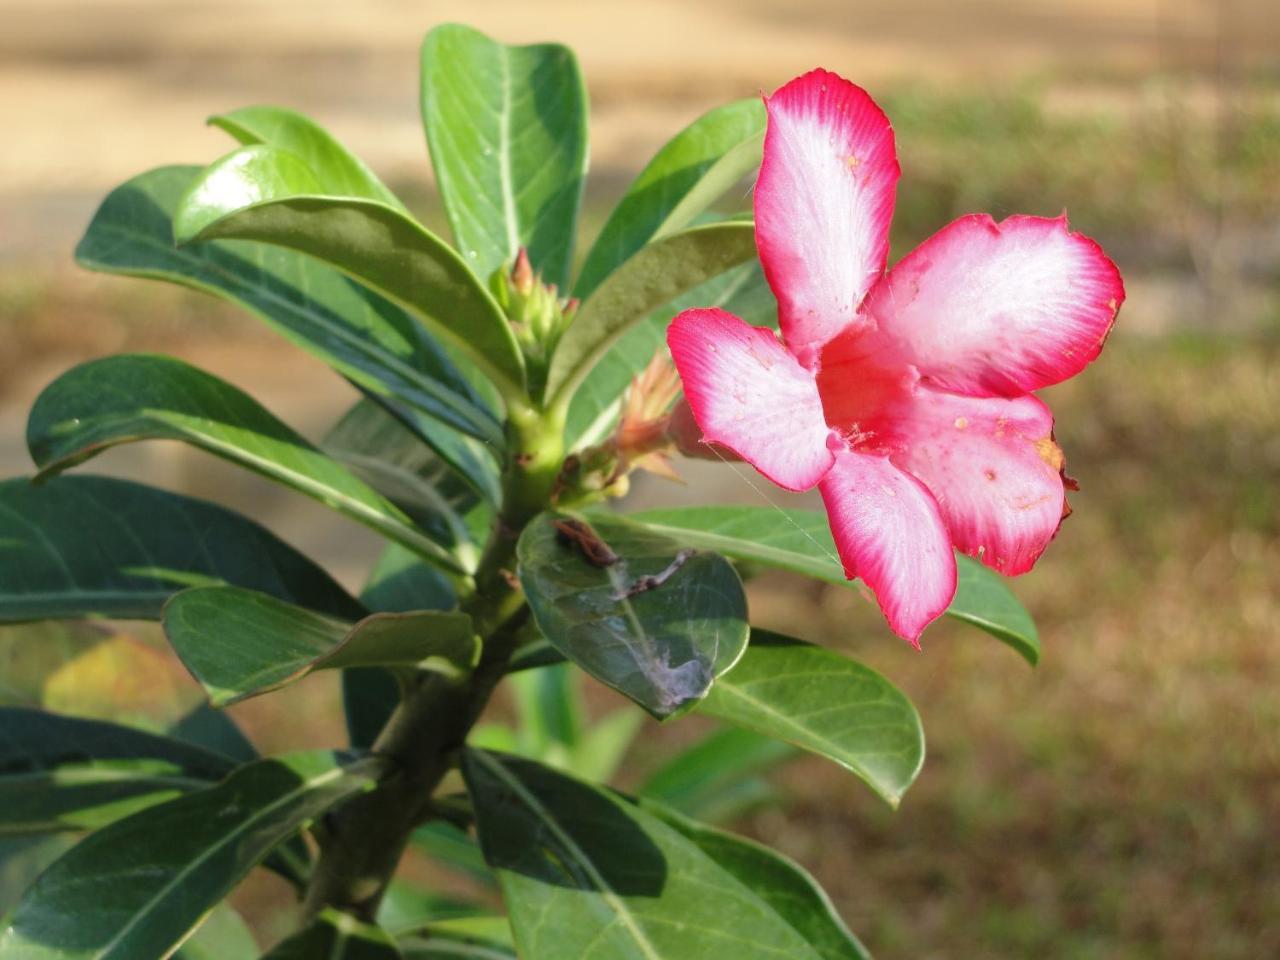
391 458
222 936
63 773
453 848
214 730
655 275
365 337
399 583
146 545
741 290
239 643
800 541
692 170
549 708
406 907
442 946
507 128
124 398
827 704
658 625
602 748
340 172
718 778
271 196
135 889
780 882
587 873
334 935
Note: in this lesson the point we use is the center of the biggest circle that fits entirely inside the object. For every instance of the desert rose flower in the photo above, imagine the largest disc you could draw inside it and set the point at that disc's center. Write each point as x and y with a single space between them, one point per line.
904 396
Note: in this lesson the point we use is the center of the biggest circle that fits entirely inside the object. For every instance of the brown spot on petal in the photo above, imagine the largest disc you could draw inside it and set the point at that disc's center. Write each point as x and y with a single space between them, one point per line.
989 474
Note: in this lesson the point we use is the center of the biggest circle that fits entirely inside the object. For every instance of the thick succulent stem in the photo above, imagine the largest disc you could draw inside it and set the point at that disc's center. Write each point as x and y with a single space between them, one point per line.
363 841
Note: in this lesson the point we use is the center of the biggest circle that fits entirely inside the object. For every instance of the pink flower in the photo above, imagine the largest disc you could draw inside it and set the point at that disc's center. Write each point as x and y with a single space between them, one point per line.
904 396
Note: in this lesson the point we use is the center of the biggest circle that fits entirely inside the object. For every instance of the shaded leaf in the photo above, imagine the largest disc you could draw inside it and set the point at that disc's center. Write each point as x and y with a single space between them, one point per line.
137 887
800 541
334 935
779 881
691 171
586 873
239 643
452 848
658 625
718 778
96 547
63 773
124 398
406 907
507 128
222 936
652 277
827 704
269 195
365 337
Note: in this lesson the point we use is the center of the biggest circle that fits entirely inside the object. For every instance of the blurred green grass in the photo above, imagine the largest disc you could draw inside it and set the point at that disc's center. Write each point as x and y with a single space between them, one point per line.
1123 800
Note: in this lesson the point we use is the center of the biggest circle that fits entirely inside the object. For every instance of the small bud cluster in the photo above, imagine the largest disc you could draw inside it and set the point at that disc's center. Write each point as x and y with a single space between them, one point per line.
537 315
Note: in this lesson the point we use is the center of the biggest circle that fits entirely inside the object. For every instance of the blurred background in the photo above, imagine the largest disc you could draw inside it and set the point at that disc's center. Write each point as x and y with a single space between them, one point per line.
1120 801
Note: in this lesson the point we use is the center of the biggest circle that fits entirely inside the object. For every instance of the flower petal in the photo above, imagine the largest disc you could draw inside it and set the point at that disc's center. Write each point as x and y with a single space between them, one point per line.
749 394
823 202
890 534
998 308
992 465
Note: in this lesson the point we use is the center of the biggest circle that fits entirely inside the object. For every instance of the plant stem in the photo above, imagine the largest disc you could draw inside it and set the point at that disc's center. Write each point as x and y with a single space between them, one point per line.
362 842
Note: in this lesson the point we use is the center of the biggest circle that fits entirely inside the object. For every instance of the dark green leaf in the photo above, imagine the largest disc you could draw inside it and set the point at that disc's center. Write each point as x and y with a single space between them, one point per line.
133 890
63 773
269 195
124 398
340 172
239 643
686 176
214 730
507 128
334 935
741 290
800 541
363 336
825 703
654 276
96 547
775 879
718 778
587 873
658 625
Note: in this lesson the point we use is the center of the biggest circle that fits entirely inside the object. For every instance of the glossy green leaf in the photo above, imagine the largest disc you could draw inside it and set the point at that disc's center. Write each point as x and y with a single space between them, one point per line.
780 882
719 777
239 643
741 290
658 625
585 873
800 541
365 337
334 935
340 172
507 128
691 171
222 936
135 889
271 196
96 547
125 398
63 773
827 704
654 276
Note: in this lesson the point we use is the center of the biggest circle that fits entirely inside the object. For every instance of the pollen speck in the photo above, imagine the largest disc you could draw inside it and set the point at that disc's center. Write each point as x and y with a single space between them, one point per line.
961 423
852 161
989 474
